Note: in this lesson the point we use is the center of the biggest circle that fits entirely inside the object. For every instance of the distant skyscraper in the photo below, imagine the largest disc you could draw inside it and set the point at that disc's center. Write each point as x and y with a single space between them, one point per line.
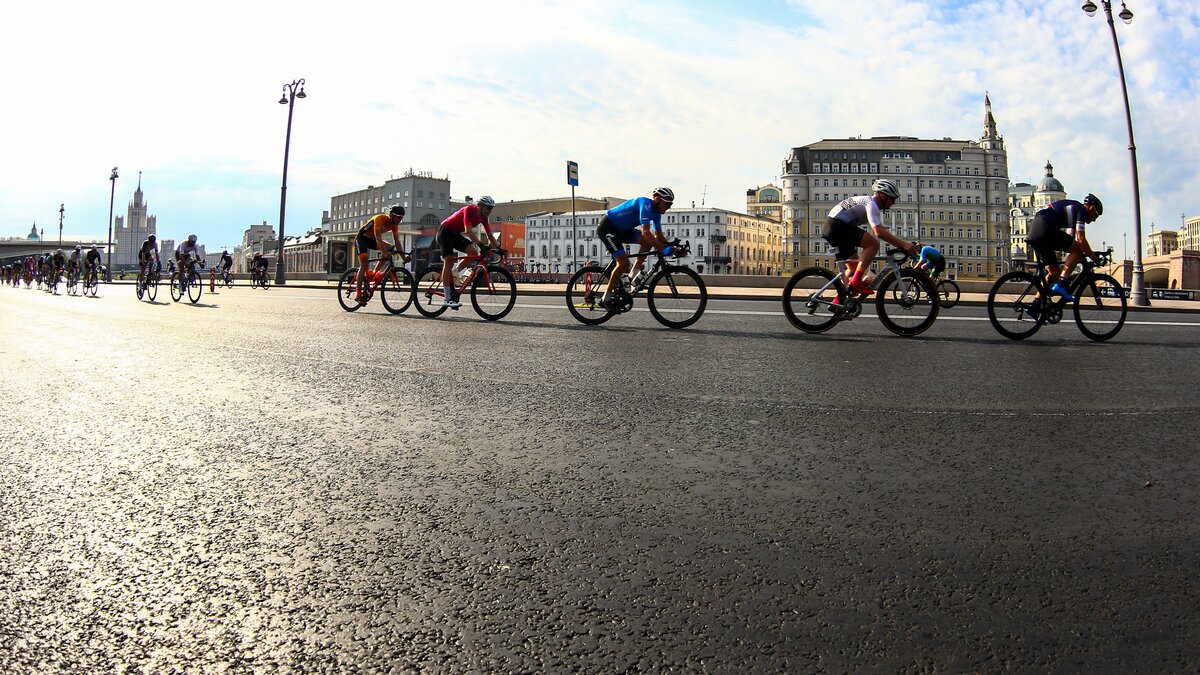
129 232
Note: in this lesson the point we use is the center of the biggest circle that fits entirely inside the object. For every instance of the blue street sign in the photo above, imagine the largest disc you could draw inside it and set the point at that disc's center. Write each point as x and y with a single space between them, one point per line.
572 174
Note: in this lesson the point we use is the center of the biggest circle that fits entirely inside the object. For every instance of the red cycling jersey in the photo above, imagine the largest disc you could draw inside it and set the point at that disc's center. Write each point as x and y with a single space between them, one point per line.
467 216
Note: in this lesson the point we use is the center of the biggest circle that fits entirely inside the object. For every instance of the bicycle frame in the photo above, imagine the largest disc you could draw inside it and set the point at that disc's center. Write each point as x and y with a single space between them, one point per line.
479 266
895 258
1074 283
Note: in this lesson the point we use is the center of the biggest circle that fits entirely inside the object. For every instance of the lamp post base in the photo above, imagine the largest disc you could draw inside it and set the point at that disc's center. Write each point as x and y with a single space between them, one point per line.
1137 290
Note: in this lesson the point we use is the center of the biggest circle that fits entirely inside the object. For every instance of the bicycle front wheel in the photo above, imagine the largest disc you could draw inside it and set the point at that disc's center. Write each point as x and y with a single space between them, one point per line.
347 290
947 293
493 293
1100 307
152 288
584 291
430 292
811 300
1011 305
176 289
907 304
397 291
677 296
195 287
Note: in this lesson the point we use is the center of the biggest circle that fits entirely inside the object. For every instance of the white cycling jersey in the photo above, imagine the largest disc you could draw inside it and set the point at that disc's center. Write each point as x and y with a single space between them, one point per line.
858 211
186 247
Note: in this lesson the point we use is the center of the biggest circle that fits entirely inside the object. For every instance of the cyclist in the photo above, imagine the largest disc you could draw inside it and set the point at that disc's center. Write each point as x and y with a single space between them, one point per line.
224 263
258 267
185 251
620 226
91 262
58 261
1060 226
844 233
932 261
75 260
368 239
455 235
147 254
29 267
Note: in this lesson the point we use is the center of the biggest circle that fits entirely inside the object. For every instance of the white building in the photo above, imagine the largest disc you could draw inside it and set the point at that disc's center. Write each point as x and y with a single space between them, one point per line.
131 230
722 242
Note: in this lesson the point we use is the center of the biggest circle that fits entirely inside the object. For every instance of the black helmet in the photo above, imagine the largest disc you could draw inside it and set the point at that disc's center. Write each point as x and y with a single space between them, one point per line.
397 210
1094 201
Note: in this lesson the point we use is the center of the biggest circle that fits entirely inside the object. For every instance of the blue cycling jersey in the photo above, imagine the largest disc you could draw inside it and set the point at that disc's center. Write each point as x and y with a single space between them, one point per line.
931 255
634 214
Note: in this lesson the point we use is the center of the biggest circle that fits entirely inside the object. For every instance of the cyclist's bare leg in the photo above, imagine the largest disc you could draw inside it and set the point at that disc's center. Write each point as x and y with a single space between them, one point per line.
868 247
1073 257
362 272
618 272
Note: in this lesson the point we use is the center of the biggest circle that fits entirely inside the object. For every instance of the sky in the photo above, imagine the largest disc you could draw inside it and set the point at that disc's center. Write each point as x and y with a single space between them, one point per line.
706 97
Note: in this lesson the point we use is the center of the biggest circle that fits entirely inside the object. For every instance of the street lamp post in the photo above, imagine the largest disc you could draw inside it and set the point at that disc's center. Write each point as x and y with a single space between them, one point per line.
289 99
1137 292
111 196
61 210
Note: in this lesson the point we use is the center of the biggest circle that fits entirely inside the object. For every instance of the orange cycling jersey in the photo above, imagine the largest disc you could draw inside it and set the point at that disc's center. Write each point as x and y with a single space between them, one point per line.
382 221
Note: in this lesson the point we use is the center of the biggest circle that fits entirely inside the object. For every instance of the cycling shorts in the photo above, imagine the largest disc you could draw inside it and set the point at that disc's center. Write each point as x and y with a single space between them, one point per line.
844 238
1047 240
451 241
364 244
614 239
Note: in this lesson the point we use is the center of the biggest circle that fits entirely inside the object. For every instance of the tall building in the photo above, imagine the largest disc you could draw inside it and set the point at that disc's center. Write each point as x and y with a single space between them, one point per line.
130 231
722 242
953 195
765 201
1024 200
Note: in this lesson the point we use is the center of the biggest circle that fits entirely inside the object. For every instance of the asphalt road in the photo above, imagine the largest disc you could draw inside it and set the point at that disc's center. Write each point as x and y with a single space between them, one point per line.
263 482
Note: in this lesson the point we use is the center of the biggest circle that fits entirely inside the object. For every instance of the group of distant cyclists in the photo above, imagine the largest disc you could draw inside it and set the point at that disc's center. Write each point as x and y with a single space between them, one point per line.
46 270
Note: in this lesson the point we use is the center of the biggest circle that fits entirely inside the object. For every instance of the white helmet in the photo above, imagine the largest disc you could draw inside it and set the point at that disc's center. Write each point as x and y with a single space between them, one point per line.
665 194
486 201
887 187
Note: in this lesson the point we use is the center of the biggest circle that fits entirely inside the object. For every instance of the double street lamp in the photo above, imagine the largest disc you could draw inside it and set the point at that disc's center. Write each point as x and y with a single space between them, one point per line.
1137 292
112 194
62 208
289 99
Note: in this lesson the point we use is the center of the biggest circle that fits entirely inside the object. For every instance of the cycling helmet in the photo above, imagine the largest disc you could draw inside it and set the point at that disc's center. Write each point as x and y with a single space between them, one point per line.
665 194
1094 201
397 210
58 252
93 247
887 187
78 247
191 238
487 201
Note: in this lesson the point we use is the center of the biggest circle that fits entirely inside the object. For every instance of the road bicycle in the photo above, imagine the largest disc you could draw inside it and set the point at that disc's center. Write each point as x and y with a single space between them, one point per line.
816 299
147 286
91 282
191 285
51 282
675 294
947 292
259 279
1021 301
493 291
394 285
224 277
72 282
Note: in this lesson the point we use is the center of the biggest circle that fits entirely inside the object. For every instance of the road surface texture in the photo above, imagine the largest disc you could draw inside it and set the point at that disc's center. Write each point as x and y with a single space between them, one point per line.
263 482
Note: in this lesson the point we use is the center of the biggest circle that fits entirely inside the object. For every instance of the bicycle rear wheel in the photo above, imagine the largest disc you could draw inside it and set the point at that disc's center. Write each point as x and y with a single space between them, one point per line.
1100 307
947 293
907 304
1010 304
347 289
677 296
584 291
397 291
429 294
810 301
493 293
195 288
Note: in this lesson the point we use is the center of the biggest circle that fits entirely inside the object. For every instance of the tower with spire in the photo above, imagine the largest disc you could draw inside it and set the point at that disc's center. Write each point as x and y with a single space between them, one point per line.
991 139
132 229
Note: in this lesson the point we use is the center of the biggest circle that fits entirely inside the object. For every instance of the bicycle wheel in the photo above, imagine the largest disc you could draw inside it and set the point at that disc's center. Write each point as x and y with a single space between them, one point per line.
1009 304
195 287
493 293
677 296
584 291
176 289
397 291
1100 307
947 293
228 281
152 288
266 281
72 284
429 293
809 297
907 305
347 288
